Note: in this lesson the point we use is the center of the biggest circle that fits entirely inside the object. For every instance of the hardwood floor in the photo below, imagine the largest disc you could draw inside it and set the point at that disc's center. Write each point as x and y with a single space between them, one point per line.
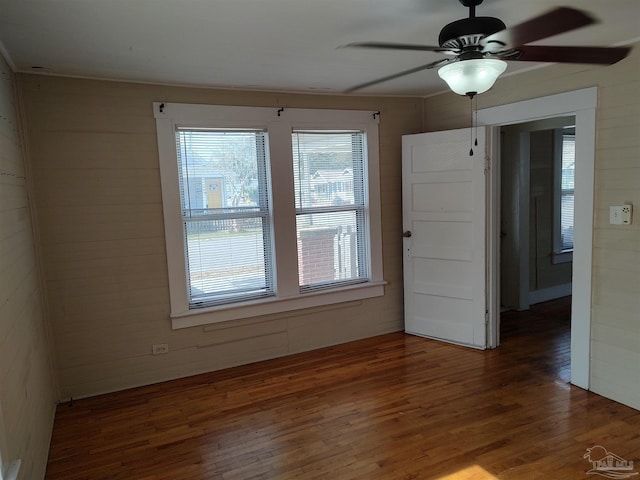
391 407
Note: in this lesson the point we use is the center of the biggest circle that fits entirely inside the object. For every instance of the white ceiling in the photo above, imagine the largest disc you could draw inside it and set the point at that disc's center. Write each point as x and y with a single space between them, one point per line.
289 45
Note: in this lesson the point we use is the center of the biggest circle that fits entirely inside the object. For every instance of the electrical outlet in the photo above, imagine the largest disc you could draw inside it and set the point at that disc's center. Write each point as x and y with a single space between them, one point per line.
620 214
160 348
626 214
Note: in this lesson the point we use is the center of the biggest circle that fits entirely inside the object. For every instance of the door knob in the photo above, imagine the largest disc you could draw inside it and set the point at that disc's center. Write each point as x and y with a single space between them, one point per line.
407 234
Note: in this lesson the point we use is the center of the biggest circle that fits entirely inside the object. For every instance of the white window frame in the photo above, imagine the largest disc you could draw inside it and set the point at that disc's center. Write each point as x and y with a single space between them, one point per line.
279 124
559 255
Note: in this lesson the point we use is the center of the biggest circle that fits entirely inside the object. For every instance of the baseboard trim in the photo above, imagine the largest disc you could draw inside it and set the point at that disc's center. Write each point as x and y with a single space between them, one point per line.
551 293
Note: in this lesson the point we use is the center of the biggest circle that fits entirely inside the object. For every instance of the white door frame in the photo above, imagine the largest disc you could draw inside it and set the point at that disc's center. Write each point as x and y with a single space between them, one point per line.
582 104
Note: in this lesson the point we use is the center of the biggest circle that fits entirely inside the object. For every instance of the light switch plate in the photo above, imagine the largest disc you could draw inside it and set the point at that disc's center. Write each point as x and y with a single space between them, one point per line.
615 214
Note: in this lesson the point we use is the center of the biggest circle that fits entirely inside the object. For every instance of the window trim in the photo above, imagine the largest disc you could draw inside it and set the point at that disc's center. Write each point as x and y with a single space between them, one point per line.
279 124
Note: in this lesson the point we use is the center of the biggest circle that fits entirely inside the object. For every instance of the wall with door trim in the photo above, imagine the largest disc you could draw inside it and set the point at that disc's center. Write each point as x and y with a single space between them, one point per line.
615 331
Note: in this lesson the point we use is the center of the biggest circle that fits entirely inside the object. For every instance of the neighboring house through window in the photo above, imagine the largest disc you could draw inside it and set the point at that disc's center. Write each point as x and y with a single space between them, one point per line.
267 210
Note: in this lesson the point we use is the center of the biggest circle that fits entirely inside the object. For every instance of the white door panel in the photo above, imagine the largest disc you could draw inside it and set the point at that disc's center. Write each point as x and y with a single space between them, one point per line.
441 160
442 239
444 198
427 197
443 318
454 278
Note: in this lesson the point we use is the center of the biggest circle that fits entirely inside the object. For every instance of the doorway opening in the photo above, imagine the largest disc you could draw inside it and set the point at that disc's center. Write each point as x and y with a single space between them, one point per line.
537 172
536 231
580 104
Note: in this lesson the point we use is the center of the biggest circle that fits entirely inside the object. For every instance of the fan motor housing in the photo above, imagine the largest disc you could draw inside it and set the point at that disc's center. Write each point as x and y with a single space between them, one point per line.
468 32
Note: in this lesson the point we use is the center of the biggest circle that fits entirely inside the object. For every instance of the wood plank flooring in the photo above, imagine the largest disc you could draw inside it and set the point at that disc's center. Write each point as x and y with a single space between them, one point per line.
394 407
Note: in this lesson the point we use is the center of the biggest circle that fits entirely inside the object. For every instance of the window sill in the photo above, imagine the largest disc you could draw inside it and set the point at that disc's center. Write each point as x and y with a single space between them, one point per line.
562 257
224 313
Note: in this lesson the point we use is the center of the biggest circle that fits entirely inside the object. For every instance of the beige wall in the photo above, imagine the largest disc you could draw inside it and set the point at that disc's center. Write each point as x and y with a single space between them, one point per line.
615 348
97 194
97 189
27 398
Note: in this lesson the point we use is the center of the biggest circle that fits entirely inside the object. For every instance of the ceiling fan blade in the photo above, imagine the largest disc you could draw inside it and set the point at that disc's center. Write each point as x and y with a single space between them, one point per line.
400 74
548 24
594 55
399 46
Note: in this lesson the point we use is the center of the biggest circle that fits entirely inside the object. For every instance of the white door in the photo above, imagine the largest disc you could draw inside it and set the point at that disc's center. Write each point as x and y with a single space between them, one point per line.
444 220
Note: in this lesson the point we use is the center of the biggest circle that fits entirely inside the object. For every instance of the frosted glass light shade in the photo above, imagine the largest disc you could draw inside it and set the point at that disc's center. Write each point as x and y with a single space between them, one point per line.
469 77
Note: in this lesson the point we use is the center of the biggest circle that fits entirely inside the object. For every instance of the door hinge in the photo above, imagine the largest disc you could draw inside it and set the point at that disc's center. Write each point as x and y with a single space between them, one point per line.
487 164
486 317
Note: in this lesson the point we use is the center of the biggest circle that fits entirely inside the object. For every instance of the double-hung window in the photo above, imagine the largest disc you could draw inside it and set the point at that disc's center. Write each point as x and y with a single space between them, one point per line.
225 214
564 184
267 210
330 208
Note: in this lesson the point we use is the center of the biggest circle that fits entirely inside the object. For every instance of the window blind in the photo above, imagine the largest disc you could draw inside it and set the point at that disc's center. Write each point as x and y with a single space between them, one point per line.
225 214
330 201
567 186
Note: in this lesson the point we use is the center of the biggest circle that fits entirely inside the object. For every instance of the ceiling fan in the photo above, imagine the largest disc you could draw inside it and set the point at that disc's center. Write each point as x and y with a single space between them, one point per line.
478 47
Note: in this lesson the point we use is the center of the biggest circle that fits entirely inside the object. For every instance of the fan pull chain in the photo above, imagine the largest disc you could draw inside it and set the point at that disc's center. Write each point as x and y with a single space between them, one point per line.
475 119
474 123
471 128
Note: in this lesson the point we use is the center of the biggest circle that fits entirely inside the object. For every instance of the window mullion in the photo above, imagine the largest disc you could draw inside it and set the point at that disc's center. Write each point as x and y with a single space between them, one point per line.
284 209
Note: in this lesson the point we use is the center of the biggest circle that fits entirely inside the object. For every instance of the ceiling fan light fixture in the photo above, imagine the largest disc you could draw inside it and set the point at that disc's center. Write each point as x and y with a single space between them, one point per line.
472 77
